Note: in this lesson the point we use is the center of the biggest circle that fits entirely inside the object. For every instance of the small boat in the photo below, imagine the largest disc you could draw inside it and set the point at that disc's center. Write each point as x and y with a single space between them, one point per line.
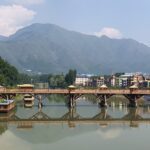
28 100
6 105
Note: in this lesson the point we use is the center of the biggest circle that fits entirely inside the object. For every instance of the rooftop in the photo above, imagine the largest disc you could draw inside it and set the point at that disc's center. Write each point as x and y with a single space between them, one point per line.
25 85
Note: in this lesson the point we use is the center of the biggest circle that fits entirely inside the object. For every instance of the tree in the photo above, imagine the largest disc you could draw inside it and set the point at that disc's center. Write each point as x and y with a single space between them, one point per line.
119 74
70 77
8 73
2 80
56 81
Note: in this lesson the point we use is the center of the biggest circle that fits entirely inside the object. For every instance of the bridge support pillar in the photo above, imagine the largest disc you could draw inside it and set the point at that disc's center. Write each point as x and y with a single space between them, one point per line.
133 99
71 102
103 102
40 104
72 99
103 99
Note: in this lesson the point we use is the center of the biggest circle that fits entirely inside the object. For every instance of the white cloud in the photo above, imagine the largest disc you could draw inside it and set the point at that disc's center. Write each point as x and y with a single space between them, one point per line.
110 134
26 2
14 142
110 32
13 18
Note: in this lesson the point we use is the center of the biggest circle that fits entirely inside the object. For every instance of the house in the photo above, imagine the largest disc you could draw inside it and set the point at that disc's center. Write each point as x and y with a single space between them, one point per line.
82 80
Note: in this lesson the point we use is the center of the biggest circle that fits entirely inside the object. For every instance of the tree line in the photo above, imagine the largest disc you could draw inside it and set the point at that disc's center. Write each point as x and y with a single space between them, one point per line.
56 80
9 76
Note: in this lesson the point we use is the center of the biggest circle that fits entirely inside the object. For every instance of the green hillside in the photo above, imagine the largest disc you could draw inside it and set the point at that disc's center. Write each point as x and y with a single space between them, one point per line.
8 74
48 48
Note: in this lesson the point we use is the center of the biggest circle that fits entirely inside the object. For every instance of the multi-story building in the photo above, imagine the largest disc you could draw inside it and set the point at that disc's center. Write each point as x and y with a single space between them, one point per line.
113 81
100 81
138 79
82 80
123 80
146 83
87 80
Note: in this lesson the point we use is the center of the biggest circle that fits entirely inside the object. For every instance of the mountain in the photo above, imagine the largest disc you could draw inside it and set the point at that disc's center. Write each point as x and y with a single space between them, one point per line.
48 48
3 38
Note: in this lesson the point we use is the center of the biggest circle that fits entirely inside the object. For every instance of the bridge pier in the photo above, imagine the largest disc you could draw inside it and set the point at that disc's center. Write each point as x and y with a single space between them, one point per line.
103 99
133 99
72 99
103 102
40 104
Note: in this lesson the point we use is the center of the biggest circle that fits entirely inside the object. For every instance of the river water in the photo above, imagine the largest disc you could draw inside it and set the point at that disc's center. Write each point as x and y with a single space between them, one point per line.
87 127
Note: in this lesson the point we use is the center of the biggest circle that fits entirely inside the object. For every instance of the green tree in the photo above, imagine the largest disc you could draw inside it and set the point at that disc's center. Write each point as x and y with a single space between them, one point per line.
8 73
119 74
70 77
2 80
56 81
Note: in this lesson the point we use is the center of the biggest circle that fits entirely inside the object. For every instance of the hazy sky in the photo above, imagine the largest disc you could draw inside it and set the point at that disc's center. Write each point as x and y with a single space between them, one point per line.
114 18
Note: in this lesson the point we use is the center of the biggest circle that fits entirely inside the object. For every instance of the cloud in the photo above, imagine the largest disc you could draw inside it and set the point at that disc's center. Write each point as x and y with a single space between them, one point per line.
109 32
14 142
13 18
26 2
110 134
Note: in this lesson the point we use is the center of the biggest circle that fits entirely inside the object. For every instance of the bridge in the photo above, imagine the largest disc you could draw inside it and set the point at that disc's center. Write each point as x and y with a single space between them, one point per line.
101 94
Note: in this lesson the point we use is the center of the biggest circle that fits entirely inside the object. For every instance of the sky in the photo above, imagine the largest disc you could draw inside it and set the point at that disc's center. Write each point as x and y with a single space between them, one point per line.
113 18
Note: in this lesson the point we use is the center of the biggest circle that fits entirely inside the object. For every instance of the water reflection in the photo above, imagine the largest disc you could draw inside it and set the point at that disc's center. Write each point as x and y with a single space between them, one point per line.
82 127
73 116
3 128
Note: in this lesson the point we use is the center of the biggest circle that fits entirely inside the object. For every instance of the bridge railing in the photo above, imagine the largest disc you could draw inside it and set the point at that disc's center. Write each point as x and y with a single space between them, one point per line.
40 91
75 91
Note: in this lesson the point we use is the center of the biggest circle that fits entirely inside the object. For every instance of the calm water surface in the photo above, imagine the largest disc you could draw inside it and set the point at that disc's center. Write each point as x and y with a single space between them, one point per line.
126 132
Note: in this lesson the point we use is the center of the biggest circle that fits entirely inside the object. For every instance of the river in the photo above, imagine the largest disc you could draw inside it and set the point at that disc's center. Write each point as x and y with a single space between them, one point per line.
86 127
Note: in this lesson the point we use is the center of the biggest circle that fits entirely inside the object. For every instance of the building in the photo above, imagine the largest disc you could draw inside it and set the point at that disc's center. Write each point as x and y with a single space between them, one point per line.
42 85
82 80
100 81
138 79
125 80
97 81
122 81
113 81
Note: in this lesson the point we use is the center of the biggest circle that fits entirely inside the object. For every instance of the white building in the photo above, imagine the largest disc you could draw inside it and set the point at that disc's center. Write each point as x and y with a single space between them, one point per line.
100 81
113 81
82 80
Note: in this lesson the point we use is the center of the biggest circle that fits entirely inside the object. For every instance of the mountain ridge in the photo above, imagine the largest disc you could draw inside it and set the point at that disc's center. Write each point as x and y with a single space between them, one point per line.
48 48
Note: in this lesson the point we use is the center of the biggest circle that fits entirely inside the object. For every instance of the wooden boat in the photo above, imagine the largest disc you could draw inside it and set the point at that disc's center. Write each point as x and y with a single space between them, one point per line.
6 105
28 100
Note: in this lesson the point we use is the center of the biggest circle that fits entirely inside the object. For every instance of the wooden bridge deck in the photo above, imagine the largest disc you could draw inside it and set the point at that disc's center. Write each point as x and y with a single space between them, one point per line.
76 91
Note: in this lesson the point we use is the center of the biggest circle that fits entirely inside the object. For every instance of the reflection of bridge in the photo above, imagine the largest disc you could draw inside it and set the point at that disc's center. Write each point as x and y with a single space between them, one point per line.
102 94
132 118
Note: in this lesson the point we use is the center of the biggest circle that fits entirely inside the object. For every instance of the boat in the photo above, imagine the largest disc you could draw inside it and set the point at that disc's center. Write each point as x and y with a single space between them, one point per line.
28 100
6 105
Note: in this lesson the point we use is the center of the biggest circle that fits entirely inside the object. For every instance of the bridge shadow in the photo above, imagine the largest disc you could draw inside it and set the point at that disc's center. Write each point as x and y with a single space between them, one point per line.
72 117
71 114
133 114
40 116
102 115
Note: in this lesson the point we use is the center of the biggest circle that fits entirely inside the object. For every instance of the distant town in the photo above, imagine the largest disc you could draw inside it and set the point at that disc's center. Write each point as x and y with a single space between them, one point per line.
117 80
